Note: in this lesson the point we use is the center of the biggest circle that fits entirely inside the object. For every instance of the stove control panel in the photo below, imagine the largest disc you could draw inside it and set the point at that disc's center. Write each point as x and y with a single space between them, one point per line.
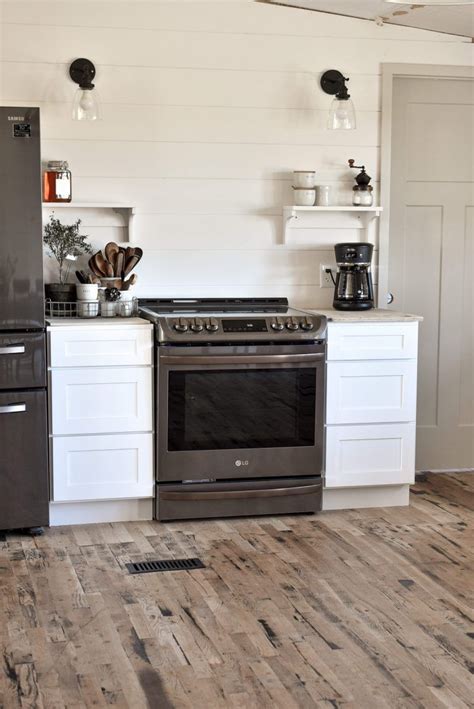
276 325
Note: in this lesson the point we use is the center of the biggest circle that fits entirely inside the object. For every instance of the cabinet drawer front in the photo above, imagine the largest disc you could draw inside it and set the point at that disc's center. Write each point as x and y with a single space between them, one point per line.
371 392
93 347
102 467
370 455
372 341
112 400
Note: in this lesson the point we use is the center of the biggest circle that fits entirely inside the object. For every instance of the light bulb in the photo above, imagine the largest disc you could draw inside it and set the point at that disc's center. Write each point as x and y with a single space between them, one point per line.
85 106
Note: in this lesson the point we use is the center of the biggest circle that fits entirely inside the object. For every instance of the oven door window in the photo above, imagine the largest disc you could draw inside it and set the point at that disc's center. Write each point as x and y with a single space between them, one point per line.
242 408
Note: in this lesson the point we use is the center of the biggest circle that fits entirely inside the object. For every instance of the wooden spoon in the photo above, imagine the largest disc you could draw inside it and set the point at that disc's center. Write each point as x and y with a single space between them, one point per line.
130 265
101 263
131 282
111 250
94 268
119 264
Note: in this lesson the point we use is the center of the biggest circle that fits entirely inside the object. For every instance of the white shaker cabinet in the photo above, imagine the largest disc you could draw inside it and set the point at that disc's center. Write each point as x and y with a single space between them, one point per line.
371 404
101 411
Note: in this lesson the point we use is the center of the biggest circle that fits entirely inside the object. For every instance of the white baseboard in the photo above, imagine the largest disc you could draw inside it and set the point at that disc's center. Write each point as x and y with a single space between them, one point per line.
446 470
61 513
347 498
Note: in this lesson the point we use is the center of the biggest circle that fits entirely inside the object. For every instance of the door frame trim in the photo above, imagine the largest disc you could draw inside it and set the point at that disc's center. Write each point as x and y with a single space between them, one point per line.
389 72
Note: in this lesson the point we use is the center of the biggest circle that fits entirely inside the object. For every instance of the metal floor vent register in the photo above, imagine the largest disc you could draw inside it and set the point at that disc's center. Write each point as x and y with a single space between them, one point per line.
147 567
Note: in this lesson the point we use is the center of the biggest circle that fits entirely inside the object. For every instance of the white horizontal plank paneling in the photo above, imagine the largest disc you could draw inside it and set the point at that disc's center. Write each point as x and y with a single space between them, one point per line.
140 159
209 124
230 51
143 86
278 266
224 16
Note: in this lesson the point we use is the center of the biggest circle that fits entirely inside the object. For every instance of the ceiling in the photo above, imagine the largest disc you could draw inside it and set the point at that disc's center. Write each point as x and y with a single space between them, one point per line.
452 19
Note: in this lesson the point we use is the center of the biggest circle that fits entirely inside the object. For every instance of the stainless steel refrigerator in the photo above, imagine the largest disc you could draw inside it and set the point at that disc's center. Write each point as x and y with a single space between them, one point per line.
23 404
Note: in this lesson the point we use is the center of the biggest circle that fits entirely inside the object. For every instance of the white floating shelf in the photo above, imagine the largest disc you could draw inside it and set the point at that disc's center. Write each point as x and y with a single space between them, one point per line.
364 215
126 211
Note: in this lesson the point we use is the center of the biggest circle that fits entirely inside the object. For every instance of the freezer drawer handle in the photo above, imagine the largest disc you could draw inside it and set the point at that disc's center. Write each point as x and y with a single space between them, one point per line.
239 494
13 408
12 349
242 359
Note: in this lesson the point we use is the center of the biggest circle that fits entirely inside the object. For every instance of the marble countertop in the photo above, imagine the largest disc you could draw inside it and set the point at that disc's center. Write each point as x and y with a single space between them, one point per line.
374 315
96 322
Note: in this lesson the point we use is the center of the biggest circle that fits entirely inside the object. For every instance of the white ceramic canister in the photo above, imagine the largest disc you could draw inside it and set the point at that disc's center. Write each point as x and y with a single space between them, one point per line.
304 197
87 291
304 179
87 308
323 195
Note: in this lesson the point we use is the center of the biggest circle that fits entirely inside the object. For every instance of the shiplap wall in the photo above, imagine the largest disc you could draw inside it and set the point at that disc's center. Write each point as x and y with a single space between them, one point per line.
207 107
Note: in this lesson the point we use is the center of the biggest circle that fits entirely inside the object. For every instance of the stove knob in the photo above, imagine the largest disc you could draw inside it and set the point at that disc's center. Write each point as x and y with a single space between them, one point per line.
291 324
277 324
306 324
212 325
181 325
197 325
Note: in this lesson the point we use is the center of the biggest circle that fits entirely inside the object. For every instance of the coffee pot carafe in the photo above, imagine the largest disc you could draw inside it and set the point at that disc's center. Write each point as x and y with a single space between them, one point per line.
353 288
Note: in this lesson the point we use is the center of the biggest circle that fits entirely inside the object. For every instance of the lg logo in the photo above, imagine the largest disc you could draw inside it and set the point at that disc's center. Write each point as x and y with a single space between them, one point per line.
238 463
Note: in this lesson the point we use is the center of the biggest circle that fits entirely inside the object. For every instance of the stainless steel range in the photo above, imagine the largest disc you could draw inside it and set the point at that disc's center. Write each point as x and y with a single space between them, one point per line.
239 407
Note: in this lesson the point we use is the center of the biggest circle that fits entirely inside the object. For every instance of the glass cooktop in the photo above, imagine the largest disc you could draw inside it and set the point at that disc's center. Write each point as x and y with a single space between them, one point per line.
216 306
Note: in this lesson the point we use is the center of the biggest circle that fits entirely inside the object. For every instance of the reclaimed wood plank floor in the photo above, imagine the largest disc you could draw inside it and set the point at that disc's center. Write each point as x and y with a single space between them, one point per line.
366 608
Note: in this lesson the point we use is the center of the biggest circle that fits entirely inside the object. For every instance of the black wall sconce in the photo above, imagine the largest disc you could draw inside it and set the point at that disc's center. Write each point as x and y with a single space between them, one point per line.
342 112
85 106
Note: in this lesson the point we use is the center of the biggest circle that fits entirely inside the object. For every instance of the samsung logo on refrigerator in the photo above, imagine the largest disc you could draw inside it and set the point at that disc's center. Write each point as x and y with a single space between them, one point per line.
15 118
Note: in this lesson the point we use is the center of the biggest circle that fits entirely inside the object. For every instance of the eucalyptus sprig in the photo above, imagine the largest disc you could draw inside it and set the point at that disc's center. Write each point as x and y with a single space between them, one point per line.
63 241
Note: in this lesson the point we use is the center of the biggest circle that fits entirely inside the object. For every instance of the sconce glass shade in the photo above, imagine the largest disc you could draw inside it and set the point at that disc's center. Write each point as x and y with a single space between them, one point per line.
342 115
85 106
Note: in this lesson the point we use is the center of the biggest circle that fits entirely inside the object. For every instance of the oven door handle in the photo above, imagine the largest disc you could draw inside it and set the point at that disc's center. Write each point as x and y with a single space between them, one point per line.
243 359
238 494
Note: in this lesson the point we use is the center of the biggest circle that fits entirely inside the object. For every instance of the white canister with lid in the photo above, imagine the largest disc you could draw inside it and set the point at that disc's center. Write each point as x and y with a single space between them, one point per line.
304 197
304 179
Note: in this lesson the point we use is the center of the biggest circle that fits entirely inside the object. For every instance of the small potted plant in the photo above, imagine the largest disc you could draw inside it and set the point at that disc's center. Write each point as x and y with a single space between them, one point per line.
65 244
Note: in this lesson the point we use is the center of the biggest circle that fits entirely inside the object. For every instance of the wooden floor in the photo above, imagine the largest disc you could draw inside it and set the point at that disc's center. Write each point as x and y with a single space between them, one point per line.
369 608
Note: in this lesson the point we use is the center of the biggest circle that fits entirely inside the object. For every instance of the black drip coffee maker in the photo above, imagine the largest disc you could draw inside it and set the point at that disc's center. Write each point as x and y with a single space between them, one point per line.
353 286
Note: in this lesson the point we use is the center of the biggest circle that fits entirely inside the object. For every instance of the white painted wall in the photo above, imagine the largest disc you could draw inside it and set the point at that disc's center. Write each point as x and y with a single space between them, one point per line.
207 107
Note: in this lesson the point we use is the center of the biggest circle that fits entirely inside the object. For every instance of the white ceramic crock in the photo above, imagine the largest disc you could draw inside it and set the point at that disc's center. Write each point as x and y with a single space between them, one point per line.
304 179
304 198
87 291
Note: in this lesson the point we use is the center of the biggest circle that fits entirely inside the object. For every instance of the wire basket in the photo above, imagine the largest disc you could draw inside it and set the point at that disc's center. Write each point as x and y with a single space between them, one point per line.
55 309
80 309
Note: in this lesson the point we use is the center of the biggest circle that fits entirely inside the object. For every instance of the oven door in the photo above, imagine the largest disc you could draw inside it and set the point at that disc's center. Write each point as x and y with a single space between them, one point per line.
237 412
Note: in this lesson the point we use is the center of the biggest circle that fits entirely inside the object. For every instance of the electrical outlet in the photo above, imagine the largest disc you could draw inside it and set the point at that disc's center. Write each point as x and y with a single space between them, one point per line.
325 280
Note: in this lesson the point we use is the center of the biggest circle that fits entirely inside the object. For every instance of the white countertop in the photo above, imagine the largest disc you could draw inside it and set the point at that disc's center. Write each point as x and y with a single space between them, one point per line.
96 322
374 315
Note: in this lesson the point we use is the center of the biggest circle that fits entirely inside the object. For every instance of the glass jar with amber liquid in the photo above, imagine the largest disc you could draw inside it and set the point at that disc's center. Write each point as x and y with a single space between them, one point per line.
57 182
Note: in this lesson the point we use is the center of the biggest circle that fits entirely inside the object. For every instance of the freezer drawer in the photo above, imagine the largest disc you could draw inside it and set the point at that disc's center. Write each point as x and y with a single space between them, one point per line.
22 360
23 460
239 498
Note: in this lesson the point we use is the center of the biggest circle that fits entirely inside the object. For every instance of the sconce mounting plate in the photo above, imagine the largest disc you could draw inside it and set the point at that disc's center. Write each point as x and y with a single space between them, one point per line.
82 72
332 82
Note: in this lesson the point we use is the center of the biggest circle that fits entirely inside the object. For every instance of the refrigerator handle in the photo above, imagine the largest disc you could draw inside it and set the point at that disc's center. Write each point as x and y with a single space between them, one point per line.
12 349
13 408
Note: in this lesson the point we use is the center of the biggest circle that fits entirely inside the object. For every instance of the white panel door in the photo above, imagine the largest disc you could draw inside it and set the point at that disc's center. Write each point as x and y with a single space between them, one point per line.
102 467
88 400
431 256
372 341
382 454
371 392
100 347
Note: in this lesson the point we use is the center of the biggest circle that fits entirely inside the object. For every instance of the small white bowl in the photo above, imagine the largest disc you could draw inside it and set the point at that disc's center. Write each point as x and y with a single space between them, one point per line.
87 291
304 179
304 197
